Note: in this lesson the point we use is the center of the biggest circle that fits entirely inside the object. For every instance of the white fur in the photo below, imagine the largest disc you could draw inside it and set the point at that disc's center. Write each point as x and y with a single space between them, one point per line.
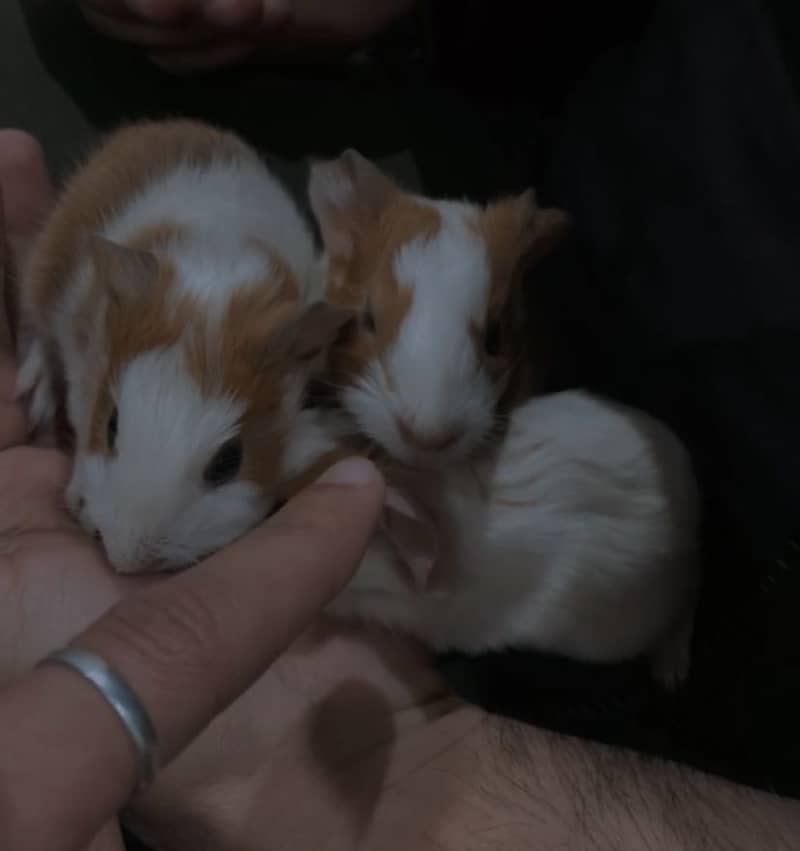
313 435
577 537
148 500
224 206
431 377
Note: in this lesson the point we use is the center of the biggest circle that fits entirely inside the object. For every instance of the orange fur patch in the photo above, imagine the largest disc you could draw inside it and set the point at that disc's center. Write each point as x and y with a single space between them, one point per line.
247 371
127 161
517 233
367 277
500 226
161 319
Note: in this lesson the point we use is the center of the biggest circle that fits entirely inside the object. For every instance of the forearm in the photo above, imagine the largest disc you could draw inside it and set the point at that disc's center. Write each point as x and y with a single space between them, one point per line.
564 792
465 782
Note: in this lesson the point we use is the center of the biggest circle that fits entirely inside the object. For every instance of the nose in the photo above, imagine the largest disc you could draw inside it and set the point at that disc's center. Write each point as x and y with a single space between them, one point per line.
138 562
429 440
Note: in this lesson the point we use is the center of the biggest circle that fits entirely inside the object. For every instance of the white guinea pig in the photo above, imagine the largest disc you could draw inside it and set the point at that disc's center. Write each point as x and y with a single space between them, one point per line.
440 348
172 289
576 535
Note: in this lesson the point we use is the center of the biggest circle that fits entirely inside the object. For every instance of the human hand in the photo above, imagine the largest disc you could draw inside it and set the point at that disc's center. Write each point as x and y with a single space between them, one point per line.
184 36
189 645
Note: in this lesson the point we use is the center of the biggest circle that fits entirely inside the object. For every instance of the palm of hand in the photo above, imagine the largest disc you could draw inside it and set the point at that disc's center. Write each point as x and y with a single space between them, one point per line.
308 751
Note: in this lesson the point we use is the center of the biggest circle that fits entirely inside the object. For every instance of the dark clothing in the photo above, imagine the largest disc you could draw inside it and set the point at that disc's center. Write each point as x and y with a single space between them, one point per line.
679 157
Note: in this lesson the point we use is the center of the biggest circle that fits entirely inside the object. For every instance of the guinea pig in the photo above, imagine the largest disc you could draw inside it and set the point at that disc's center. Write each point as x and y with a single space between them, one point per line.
173 294
440 349
576 534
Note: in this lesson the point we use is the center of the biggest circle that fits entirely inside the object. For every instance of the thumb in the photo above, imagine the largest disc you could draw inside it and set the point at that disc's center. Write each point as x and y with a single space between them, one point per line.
191 644
187 646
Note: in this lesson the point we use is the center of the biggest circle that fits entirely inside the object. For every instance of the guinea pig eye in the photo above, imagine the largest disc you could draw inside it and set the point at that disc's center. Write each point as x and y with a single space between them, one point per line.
111 429
225 465
491 341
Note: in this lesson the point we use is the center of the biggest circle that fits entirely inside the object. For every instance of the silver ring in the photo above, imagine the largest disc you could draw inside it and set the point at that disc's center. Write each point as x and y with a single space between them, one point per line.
126 705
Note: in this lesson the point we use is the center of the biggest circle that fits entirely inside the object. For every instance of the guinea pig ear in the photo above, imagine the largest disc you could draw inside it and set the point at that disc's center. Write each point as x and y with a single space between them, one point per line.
345 194
122 272
414 537
542 228
519 232
317 328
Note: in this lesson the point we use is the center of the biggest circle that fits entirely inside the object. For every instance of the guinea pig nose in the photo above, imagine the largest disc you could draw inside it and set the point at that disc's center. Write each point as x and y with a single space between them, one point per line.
429 440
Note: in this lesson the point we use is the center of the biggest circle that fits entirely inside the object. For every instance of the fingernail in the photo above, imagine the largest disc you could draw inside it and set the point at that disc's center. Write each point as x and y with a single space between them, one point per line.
351 472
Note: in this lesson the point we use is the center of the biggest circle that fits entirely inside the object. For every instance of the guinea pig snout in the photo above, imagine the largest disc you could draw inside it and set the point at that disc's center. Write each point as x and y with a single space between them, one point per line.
429 439
135 559
142 565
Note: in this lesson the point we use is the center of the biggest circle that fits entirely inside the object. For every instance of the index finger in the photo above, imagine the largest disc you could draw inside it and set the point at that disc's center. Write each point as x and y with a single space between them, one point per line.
187 646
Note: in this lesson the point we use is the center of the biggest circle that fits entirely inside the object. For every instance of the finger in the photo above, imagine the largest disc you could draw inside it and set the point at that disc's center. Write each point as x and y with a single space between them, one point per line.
32 482
13 424
188 646
206 634
26 193
26 182
7 299
25 197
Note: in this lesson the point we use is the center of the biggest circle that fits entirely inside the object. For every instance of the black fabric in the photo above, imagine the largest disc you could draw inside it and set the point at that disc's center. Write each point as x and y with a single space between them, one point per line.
679 158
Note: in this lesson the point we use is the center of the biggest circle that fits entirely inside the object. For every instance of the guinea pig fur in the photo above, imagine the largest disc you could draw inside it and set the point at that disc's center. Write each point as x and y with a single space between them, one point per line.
576 534
175 287
439 350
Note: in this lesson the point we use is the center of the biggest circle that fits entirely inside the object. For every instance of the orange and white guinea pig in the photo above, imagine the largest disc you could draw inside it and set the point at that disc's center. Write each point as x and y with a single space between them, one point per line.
173 294
440 350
